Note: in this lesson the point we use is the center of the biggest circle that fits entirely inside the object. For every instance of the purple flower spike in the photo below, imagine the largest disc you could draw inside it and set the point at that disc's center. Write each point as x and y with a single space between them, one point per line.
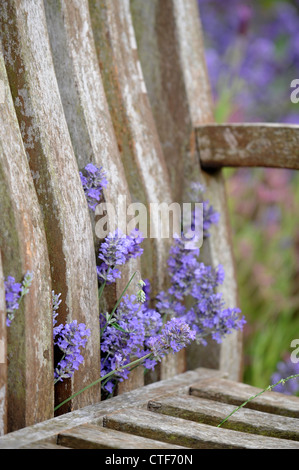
115 251
93 181
14 292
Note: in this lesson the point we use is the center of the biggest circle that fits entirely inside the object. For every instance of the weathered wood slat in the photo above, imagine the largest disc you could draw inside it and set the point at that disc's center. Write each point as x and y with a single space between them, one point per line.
212 412
136 132
189 30
94 413
3 356
46 446
236 393
171 52
181 432
88 436
55 172
91 129
24 248
246 144
134 125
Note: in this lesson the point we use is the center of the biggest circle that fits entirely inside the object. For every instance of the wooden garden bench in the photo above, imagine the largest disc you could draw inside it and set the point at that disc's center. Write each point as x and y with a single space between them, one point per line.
123 85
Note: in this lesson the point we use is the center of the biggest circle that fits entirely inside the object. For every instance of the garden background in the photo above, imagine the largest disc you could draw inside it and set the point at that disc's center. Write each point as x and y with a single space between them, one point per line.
252 54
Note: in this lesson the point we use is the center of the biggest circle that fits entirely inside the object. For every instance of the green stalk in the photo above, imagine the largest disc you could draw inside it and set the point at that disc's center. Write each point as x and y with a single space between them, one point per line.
281 381
113 372
117 303
101 288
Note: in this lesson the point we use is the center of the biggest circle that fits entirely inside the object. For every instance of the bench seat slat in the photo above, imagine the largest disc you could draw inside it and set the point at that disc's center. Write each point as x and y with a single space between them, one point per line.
212 412
236 393
88 436
196 435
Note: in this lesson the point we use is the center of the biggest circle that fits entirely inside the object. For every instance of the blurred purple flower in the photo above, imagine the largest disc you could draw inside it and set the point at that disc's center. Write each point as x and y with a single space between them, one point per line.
285 369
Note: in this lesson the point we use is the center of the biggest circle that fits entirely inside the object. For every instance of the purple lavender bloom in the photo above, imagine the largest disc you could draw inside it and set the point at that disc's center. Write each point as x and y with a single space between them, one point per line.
115 251
93 181
14 292
70 338
195 285
285 369
174 336
126 334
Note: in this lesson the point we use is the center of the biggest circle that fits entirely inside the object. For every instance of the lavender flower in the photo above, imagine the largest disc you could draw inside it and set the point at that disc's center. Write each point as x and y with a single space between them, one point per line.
93 181
126 334
14 292
285 369
195 284
56 301
115 251
70 338
175 336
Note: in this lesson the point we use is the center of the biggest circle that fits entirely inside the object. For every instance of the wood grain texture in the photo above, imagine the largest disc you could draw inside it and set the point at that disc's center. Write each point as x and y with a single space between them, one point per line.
211 412
3 355
88 436
249 145
24 248
55 173
197 436
235 393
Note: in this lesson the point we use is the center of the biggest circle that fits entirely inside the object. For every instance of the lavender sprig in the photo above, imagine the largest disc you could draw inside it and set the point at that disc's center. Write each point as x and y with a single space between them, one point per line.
93 181
174 337
116 250
14 293
70 338
267 389
195 284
